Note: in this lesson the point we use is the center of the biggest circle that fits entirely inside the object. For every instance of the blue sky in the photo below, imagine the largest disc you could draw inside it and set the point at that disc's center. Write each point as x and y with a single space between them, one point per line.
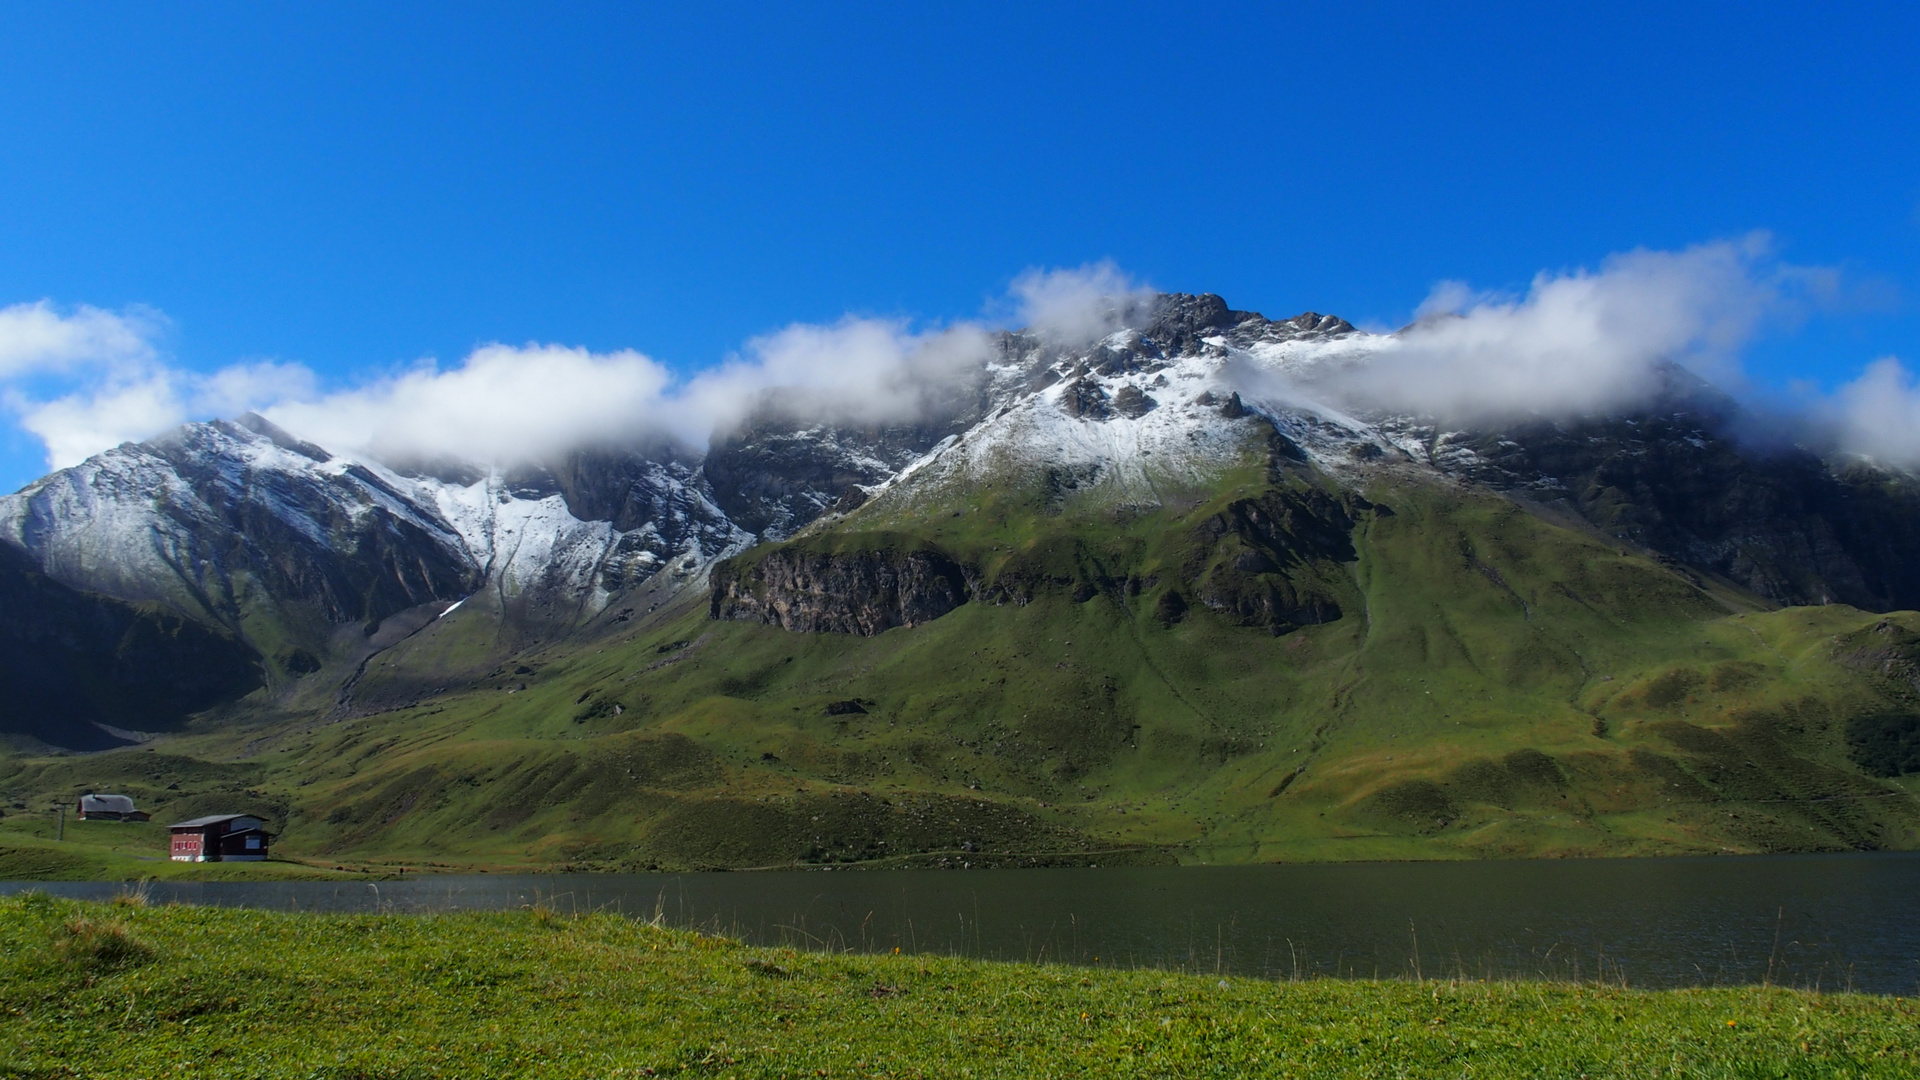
351 187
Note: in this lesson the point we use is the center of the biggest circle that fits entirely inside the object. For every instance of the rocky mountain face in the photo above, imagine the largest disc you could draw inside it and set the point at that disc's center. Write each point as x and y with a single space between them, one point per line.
1678 478
1243 569
776 475
230 523
815 588
299 553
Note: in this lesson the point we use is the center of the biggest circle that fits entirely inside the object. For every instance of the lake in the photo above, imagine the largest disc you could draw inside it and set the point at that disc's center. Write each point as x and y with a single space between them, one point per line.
1825 921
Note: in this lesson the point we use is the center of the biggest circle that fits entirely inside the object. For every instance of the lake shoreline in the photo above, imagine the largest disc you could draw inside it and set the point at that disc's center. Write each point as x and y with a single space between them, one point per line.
1814 921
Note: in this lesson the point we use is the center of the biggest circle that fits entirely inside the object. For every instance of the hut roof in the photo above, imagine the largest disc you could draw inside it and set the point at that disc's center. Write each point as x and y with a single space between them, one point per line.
211 819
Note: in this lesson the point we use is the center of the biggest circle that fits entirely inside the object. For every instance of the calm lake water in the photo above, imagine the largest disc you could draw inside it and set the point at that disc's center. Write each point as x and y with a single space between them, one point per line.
1828 921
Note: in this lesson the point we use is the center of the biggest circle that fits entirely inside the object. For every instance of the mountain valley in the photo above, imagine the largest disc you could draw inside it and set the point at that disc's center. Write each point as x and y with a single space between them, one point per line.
1162 597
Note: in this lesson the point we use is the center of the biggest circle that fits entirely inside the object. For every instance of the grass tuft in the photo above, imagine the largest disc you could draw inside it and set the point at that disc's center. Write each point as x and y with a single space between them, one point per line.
99 944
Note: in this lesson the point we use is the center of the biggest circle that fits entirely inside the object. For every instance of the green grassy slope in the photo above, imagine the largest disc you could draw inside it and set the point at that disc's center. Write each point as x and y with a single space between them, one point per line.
1272 668
96 990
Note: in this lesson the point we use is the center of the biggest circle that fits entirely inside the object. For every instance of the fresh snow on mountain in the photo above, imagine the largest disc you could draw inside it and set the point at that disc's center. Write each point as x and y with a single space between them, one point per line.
1134 421
218 519
522 545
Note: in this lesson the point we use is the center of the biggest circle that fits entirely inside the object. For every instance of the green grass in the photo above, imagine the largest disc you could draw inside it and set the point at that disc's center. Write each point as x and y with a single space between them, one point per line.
97 990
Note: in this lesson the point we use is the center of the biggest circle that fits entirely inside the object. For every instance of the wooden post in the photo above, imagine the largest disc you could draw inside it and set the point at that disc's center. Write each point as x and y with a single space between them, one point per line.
60 832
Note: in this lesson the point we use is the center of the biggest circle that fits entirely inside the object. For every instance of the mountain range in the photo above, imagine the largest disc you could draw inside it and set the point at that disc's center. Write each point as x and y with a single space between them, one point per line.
1169 595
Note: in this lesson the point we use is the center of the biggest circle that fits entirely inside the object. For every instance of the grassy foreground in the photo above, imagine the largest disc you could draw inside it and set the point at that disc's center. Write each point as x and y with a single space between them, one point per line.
131 991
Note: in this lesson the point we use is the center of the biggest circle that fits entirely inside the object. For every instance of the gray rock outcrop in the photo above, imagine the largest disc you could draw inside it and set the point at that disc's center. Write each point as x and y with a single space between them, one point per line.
866 591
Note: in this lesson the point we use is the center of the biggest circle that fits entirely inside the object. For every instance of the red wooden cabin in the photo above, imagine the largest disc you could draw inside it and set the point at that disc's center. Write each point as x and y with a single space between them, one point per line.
221 838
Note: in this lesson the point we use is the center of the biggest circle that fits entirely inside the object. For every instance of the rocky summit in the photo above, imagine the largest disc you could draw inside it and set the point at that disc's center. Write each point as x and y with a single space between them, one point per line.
1169 594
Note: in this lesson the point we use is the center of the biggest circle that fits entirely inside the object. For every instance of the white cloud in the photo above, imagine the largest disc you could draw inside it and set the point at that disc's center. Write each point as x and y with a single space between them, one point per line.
506 404
39 337
858 370
77 426
509 404
501 403
1878 414
136 401
1449 298
1581 341
104 368
241 388
1072 307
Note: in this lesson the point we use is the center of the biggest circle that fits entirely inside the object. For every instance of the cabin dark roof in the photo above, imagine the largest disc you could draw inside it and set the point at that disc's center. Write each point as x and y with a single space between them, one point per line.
105 804
211 819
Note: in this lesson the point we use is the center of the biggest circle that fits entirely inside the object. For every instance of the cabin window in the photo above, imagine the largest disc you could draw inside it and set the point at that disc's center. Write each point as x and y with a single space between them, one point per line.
253 842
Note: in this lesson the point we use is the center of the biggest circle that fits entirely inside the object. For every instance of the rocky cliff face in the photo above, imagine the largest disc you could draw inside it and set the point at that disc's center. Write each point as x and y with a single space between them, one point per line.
779 471
775 475
812 588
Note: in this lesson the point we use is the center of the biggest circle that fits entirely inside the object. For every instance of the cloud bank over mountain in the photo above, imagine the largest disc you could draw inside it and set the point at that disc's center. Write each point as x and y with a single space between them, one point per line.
1878 414
1589 341
507 403
1074 307
84 379
1584 340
